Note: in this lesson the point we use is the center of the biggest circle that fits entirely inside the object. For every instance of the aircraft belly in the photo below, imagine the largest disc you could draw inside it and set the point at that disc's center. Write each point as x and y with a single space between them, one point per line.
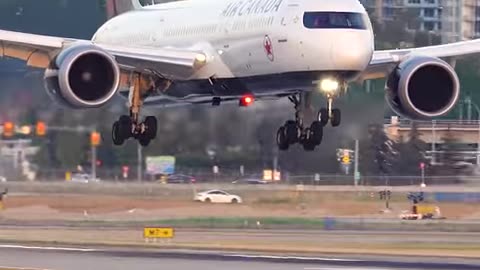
266 85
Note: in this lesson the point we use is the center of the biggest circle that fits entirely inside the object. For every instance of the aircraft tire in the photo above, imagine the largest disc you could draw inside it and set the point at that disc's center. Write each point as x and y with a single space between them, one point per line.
323 116
316 133
151 127
336 117
282 139
116 136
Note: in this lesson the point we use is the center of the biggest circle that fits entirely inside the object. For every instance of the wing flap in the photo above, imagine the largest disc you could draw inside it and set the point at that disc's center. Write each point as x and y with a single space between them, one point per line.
169 62
38 51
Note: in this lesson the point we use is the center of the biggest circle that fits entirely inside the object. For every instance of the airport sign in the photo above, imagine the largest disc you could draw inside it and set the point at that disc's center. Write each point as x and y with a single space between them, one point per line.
157 232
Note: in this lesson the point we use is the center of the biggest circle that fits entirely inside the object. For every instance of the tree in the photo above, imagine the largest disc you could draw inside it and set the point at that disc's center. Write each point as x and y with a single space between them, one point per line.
411 153
448 159
380 154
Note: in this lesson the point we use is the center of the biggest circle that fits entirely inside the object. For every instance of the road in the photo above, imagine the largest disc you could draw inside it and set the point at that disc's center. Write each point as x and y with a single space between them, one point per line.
57 258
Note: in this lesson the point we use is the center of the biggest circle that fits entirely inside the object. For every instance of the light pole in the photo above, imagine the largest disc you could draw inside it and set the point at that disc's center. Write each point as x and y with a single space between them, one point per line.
422 168
139 163
356 175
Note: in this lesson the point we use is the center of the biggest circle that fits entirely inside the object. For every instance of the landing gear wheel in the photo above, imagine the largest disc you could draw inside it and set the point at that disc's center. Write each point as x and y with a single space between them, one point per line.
323 116
144 140
282 139
116 136
150 127
308 145
292 132
121 130
336 117
125 127
316 133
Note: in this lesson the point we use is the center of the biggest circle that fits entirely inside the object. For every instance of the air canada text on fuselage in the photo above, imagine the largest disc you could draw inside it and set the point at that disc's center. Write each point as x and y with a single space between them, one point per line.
248 7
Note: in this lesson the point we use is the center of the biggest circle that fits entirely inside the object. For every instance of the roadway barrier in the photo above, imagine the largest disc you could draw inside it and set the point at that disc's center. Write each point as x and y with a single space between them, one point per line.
457 197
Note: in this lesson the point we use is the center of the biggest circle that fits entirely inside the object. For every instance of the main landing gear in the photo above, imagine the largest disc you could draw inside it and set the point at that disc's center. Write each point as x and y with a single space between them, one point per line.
295 131
130 126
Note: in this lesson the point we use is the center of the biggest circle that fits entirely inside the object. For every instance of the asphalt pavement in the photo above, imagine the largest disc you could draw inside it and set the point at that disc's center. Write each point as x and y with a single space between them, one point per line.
75 258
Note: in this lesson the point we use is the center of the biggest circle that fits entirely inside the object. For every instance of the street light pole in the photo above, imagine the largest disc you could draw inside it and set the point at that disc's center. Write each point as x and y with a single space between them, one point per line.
356 175
94 162
139 163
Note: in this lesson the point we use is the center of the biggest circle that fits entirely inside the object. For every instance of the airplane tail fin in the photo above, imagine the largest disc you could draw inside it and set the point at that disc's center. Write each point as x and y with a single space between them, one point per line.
117 7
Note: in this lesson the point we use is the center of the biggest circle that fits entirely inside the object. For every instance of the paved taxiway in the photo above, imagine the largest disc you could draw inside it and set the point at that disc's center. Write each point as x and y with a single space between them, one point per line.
31 257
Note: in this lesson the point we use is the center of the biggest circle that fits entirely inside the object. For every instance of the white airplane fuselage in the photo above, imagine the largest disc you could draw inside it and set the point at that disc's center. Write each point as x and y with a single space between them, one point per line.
253 46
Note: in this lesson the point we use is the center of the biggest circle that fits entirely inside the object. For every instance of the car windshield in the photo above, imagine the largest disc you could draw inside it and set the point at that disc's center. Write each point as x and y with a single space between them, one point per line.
334 20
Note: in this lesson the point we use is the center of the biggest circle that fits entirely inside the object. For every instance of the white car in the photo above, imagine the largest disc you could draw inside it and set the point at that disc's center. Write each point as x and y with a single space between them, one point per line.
217 196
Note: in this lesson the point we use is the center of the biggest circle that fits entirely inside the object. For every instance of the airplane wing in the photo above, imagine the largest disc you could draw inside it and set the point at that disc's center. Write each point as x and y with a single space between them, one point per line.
38 51
385 60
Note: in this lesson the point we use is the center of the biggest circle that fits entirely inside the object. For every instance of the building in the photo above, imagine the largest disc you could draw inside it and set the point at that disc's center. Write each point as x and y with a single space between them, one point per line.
453 20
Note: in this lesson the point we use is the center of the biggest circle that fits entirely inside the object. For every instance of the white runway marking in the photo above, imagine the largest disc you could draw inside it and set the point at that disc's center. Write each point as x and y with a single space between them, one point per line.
21 268
48 248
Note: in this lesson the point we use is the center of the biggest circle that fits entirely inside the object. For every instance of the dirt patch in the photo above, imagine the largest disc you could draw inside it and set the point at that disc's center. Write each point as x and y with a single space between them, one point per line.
132 208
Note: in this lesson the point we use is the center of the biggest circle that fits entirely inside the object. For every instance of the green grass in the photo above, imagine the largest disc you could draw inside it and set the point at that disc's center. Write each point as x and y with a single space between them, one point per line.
238 222
274 201
214 222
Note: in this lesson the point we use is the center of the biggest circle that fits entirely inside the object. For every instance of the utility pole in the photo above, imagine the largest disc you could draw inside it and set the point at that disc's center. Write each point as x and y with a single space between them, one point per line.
434 139
95 139
94 162
468 100
356 176
139 162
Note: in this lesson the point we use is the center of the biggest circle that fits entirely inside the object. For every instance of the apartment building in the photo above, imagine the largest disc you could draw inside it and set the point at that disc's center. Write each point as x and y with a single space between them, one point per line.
453 20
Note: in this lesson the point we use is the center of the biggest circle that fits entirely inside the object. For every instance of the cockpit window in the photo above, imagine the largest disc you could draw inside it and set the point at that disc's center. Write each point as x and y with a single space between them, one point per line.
329 19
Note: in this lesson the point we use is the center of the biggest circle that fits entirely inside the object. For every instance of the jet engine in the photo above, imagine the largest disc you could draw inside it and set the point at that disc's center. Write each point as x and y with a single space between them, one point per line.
82 76
422 87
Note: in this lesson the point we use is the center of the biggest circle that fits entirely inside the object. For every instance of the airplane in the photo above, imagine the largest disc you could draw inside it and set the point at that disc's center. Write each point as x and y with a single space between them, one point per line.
213 52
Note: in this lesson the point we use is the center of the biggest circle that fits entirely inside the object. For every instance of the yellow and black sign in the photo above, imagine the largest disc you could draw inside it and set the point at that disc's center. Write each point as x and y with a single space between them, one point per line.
154 232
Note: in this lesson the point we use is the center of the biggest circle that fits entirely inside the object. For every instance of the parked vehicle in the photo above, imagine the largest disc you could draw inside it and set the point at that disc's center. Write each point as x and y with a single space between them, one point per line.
83 178
217 196
250 181
180 179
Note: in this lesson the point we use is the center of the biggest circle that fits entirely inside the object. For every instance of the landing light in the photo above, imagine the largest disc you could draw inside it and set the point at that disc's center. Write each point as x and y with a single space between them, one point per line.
329 85
201 58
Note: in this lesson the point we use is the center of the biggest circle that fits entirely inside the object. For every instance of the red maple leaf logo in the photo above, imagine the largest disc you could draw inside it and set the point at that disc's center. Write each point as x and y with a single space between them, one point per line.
267 45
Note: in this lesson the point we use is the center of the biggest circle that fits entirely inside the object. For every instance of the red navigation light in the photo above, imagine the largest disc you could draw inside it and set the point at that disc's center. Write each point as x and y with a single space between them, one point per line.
246 101
422 165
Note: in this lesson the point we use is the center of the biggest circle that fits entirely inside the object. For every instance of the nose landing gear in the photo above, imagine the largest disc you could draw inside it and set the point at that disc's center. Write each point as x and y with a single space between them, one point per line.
333 115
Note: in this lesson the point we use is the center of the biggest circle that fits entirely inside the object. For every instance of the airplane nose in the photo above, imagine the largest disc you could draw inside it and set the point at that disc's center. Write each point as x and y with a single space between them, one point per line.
352 51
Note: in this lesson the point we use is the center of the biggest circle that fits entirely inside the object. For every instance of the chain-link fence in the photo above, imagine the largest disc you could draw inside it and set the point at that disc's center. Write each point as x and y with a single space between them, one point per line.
233 176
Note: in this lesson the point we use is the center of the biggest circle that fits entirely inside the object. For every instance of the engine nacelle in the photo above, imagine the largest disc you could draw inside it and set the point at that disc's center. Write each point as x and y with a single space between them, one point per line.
422 87
82 76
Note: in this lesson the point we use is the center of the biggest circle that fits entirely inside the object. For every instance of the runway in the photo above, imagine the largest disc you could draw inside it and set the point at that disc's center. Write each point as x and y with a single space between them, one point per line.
74 258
